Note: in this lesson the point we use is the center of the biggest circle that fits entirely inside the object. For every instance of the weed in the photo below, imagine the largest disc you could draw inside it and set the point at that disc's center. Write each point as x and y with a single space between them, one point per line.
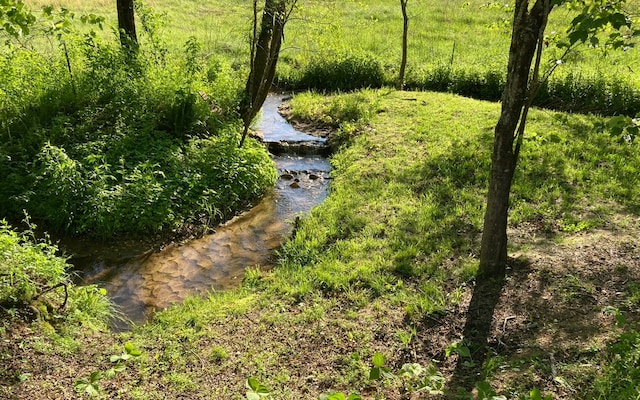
622 374
218 354
91 385
35 285
256 390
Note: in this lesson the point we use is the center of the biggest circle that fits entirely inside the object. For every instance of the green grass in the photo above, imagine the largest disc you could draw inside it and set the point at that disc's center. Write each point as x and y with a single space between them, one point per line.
395 245
454 46
401 226
391 250
410 195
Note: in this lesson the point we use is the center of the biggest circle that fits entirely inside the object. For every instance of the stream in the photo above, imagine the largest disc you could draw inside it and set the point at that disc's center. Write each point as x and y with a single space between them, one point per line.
141 281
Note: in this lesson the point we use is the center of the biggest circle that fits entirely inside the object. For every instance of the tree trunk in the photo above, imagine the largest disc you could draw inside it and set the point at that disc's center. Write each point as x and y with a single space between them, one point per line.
126 23
405 34
528 26
265 52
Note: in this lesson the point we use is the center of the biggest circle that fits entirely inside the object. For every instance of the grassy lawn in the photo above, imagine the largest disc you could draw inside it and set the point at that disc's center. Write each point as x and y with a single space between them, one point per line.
387 263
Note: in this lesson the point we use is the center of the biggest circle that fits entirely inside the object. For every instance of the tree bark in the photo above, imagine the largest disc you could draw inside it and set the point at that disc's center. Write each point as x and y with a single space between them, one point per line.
528 26
405 34
265 52
126 23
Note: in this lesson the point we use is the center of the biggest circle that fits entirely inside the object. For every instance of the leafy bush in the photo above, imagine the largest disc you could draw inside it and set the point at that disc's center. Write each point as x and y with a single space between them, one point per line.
126 144
595 94
29 268
32 282
341 71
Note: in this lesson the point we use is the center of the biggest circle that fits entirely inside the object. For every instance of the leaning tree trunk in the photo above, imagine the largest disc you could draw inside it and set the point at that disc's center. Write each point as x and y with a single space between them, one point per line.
405 34
528 27
126 23
265 52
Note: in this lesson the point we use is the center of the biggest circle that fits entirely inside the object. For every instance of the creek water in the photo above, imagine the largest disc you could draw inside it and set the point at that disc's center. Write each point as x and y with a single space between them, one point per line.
141 281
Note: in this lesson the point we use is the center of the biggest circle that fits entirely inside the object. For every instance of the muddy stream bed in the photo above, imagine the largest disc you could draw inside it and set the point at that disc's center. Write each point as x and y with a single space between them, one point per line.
141 280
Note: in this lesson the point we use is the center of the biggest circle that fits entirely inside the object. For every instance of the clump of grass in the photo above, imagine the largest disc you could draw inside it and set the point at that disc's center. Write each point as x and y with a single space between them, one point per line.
346 115
334 111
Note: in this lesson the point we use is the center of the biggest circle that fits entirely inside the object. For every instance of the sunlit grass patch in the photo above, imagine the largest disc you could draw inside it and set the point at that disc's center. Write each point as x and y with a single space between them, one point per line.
407 198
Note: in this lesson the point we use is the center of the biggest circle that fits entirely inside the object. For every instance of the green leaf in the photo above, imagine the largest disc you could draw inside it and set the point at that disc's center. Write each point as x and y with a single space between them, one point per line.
535 394
119 367
334 396
354 396
135 353
110 373
114 358
578 36
80 385
128 347
92 389
618 20
375 373
485 391
257 387
253 383
378 359
464 351
95 376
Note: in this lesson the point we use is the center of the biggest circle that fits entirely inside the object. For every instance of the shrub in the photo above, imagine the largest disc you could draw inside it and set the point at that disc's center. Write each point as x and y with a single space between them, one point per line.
341 71
131 145
30 275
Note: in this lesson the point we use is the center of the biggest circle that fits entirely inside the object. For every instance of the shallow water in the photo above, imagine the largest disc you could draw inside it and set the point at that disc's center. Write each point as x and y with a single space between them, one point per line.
141 281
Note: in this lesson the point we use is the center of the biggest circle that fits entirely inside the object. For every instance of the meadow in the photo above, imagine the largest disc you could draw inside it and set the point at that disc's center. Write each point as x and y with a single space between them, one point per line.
456 46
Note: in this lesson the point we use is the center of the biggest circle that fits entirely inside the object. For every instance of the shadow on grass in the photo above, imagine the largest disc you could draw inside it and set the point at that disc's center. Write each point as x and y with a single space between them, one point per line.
477 329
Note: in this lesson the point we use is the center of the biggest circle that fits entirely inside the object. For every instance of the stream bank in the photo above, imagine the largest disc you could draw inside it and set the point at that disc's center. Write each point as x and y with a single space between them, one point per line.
141 280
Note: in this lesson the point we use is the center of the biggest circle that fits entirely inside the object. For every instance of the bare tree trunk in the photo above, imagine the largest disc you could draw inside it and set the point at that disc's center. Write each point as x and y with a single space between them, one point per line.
405 34
526 38
126 23
265 52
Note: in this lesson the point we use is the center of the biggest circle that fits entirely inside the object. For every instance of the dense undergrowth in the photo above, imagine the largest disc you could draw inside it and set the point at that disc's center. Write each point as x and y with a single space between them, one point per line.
100 141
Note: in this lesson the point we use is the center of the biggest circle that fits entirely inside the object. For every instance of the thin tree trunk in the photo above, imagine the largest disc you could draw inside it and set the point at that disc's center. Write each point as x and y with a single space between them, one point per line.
265 54
405 34
528 26
126 23
272 60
